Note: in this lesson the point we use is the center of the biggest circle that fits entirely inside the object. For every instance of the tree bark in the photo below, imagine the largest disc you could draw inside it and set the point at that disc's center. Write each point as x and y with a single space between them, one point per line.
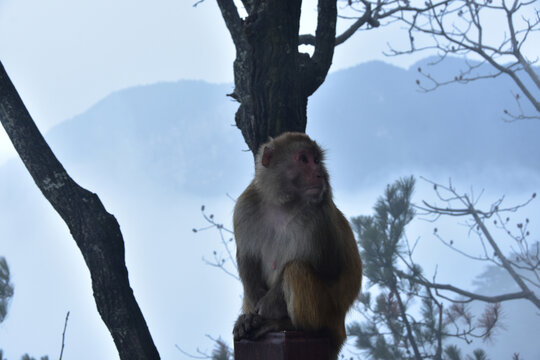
273 80
95 231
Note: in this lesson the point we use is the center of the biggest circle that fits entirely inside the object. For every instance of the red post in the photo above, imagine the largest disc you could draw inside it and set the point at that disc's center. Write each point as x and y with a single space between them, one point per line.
284 345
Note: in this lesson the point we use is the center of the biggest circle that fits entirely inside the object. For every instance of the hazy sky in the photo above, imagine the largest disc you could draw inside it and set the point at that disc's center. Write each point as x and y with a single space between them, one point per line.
63 56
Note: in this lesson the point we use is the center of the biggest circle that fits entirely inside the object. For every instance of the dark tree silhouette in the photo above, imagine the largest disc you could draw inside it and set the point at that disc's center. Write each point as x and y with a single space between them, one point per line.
272 78
95 231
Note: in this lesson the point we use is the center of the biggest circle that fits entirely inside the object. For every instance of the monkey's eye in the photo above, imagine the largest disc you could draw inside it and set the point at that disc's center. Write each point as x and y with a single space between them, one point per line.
316 160
304 159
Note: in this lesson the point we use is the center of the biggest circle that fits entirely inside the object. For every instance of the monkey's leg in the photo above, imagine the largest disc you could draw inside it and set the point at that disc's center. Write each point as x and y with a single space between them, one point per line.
311 305
270 314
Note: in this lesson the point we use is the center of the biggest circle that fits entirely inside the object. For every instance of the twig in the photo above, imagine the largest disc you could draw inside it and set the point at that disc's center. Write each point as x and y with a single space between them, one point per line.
220 260
201 356
64 336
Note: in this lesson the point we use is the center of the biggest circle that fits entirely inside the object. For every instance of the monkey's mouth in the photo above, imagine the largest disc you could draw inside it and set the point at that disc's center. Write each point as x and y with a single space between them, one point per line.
314 190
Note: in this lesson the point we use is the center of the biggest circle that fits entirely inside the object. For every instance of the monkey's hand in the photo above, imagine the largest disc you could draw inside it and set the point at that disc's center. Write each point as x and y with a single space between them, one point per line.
246 326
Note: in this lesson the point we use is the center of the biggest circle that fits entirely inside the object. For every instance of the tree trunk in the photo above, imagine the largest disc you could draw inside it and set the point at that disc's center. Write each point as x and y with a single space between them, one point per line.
95 231
273 80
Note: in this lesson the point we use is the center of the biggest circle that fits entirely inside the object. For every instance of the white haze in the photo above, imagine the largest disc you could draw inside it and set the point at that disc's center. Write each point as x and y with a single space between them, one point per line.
65 56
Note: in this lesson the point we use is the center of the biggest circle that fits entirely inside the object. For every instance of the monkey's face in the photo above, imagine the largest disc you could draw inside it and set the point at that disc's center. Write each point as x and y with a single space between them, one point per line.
290 170
307 175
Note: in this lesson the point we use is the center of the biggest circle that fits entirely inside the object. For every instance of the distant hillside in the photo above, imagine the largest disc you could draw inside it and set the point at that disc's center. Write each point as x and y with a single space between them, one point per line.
372 118
172 136
375 121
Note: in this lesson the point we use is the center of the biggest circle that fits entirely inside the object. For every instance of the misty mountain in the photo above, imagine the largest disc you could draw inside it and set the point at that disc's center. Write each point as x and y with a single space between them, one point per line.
173 136
378 122
372 118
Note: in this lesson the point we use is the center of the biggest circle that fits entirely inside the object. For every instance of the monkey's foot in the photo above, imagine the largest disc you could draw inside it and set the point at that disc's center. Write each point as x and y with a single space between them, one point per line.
253 326
246 326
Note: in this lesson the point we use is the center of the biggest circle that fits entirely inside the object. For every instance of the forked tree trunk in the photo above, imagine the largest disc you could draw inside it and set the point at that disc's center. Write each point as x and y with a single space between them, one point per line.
273 80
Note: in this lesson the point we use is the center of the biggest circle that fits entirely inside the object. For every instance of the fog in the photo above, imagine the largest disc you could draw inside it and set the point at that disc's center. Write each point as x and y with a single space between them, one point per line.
155 148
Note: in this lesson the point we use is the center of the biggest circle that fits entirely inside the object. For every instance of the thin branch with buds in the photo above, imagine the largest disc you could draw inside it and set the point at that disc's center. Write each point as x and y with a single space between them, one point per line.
372 15
523 265
220 345
64 336
220 260
460 28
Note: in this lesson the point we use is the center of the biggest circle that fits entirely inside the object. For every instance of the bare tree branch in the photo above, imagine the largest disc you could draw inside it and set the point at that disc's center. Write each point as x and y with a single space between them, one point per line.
470 296
308 39
468 208
317 67
201 354
217 352
232 19
64 336
459 28
529 295
373 13
95 231
403 311
219 260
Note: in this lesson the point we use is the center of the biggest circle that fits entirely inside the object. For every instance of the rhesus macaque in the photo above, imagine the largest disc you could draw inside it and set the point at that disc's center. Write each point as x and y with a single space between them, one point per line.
297 256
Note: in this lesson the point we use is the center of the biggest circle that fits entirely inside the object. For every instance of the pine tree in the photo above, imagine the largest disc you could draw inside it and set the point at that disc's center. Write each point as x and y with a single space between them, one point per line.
404 320
6 288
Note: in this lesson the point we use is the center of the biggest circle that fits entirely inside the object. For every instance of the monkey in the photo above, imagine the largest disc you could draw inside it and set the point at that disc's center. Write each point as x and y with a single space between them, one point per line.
297 257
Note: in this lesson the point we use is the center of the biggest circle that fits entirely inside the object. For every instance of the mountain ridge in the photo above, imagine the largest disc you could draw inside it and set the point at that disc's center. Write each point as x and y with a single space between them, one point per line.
180 136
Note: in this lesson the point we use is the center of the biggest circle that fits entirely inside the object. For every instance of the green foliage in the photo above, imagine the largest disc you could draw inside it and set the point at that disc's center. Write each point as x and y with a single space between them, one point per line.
28 357
384 335
404 320
221 351
452 352
479 354
369 338
6 289
6 293
379 235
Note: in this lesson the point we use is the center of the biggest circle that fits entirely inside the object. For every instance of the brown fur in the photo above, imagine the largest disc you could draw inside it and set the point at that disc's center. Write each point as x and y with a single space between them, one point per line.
296 252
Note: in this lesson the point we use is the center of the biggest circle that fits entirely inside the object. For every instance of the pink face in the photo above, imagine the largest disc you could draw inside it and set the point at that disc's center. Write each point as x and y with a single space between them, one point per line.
311 181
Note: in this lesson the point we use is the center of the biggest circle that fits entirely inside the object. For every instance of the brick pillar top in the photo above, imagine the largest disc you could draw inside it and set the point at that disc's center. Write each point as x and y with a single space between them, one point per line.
284 345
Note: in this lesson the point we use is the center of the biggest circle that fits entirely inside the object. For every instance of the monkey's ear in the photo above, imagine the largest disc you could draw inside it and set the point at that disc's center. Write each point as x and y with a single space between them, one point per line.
268 152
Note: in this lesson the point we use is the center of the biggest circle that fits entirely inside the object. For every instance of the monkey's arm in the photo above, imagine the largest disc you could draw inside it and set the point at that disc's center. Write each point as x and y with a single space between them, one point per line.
251 275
